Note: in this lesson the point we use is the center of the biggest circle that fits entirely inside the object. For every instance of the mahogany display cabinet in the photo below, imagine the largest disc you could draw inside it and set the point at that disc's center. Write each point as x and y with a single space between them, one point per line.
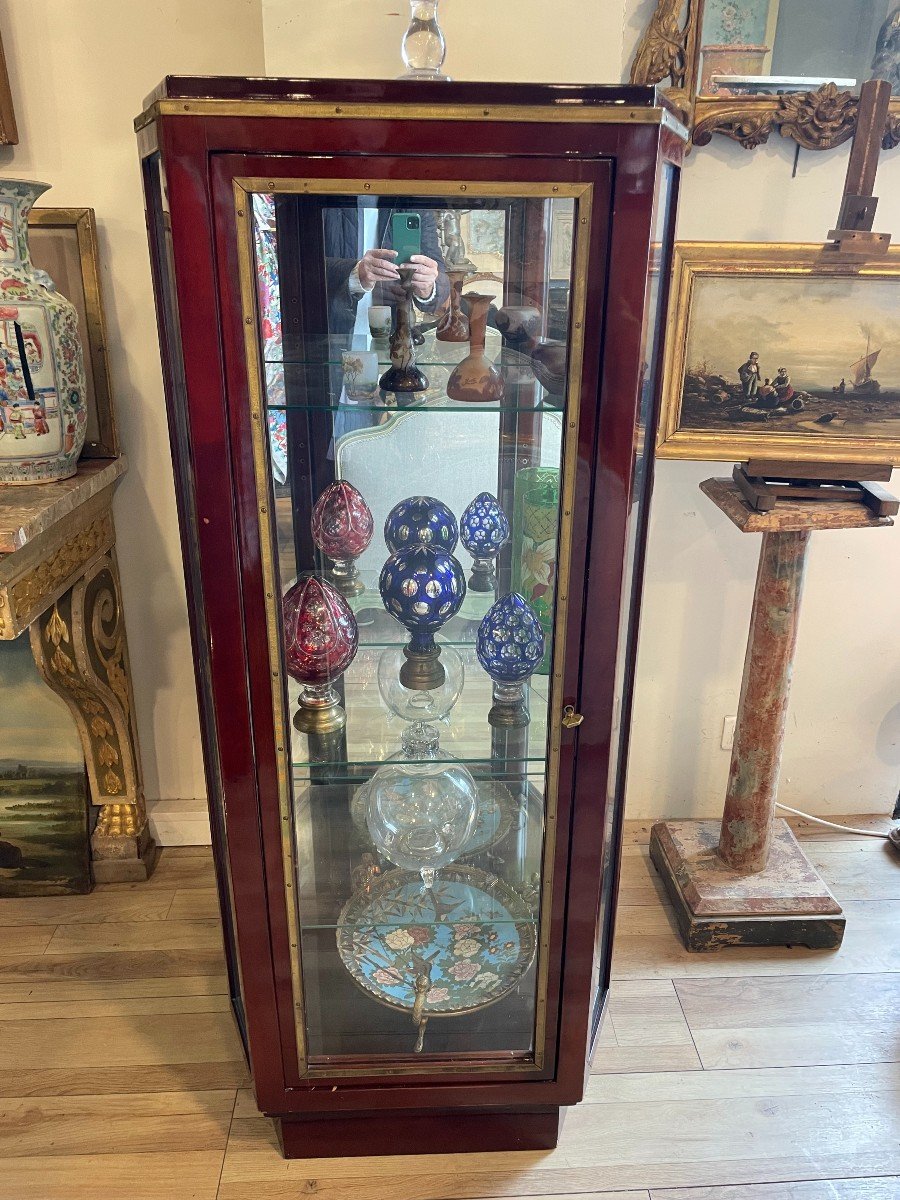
411 338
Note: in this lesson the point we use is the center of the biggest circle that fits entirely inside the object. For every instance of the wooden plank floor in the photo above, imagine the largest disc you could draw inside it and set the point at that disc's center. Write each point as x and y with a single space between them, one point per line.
747 1075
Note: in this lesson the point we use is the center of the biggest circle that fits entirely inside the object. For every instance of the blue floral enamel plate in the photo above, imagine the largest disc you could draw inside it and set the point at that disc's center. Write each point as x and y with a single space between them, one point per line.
463 944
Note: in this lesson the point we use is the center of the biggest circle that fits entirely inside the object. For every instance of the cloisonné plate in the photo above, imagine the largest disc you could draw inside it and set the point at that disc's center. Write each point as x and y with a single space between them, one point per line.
496 815
471 934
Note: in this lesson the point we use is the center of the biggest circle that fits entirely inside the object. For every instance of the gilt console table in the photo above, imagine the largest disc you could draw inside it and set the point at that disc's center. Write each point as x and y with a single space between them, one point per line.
59 581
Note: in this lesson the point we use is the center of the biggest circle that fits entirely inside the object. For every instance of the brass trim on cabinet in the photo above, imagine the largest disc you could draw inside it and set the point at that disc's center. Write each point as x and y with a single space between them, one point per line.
571 113
582 194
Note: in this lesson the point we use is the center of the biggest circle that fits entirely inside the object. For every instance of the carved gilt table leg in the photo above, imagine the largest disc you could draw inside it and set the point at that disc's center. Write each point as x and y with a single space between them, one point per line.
80 649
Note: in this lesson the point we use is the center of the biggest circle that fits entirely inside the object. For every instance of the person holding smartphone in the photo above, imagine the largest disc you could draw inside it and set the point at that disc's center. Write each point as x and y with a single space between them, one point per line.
364 249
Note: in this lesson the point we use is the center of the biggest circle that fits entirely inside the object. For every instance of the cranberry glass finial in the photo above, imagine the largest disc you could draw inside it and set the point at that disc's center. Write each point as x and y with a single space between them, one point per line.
342 528
321 639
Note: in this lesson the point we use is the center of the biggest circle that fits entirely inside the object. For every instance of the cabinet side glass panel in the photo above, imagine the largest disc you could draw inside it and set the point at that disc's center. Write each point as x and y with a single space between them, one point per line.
651 362
156 200
414 357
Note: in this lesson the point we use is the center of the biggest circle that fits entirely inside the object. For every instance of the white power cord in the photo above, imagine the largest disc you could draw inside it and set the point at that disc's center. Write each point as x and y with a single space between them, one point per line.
831 824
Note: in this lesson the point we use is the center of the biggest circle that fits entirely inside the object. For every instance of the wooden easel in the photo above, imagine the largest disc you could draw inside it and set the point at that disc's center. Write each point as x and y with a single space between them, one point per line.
763 482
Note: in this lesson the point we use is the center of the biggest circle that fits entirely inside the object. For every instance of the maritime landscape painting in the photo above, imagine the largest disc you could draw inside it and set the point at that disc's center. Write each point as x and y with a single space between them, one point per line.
815 356
44 844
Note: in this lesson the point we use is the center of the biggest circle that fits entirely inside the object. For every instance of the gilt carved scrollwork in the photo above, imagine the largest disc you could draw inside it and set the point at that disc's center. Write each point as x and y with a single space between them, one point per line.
750 129
662 53
80 648
818 120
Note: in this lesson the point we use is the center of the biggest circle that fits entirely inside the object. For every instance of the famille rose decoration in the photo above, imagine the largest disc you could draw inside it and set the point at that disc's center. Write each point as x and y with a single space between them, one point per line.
342 528
510 646
483 530
420 520
42 385
422 587
321 639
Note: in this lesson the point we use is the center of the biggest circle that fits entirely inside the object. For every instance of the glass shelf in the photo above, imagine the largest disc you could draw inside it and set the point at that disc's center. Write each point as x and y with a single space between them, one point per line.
373 734
411 402
502 857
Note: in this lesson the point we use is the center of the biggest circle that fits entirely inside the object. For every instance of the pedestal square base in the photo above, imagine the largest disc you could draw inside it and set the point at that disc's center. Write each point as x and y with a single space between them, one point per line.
786 904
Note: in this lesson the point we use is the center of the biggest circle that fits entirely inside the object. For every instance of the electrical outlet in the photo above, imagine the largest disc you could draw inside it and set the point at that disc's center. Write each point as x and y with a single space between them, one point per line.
728 733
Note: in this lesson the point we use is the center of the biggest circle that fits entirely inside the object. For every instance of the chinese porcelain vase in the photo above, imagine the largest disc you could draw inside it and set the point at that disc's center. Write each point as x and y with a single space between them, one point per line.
484 530
420 520
476 380
342 528
42 386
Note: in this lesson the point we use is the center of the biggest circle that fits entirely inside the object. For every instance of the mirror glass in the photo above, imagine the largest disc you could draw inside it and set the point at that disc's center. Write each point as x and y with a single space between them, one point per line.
775 47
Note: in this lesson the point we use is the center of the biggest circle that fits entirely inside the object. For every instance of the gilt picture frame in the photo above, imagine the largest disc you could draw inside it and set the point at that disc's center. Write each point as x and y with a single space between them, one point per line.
779 351
9 133
64 244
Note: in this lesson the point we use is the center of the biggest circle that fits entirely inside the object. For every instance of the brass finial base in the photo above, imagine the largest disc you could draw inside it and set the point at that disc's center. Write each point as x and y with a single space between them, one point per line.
319 711
346 578
482 577
422 671
510 708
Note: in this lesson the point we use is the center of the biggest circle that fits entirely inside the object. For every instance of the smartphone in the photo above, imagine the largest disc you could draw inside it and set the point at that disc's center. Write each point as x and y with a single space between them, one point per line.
406 236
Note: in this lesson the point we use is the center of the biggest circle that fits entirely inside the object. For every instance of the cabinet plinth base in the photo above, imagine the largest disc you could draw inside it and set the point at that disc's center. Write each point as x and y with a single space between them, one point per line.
787 904
444 1131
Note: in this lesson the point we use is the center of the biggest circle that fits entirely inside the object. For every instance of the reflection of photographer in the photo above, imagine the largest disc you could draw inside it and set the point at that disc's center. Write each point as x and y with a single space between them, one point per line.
361 249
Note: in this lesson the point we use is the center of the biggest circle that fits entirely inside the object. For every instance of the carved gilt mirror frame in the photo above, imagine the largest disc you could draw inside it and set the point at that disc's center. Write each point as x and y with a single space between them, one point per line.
818 120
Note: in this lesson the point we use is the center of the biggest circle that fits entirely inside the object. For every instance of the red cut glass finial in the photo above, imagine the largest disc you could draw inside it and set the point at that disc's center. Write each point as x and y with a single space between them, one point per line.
320 631
341 521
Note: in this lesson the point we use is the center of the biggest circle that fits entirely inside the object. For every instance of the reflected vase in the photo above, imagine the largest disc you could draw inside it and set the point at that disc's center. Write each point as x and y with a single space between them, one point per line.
534 545
476 380
420 521
455 324
484 530
342 528
403 375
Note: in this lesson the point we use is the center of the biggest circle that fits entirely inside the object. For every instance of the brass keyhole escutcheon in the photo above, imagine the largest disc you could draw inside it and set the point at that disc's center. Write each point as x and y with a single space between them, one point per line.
570 718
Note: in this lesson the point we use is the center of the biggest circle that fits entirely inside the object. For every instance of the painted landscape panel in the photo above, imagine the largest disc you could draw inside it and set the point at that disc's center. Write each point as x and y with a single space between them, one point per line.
44 844
817 355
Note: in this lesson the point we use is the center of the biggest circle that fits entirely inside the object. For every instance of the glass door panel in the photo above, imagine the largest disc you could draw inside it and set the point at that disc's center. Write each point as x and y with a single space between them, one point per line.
417 374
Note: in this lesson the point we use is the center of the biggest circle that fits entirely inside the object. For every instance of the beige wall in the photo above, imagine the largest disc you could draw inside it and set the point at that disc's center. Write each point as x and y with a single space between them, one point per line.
79 72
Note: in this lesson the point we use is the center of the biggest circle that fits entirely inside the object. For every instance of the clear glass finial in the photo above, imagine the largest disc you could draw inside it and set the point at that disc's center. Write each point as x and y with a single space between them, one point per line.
423 47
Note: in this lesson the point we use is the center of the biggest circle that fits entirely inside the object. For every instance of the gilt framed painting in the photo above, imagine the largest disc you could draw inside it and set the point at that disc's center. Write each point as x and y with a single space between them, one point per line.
778 351
64 244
